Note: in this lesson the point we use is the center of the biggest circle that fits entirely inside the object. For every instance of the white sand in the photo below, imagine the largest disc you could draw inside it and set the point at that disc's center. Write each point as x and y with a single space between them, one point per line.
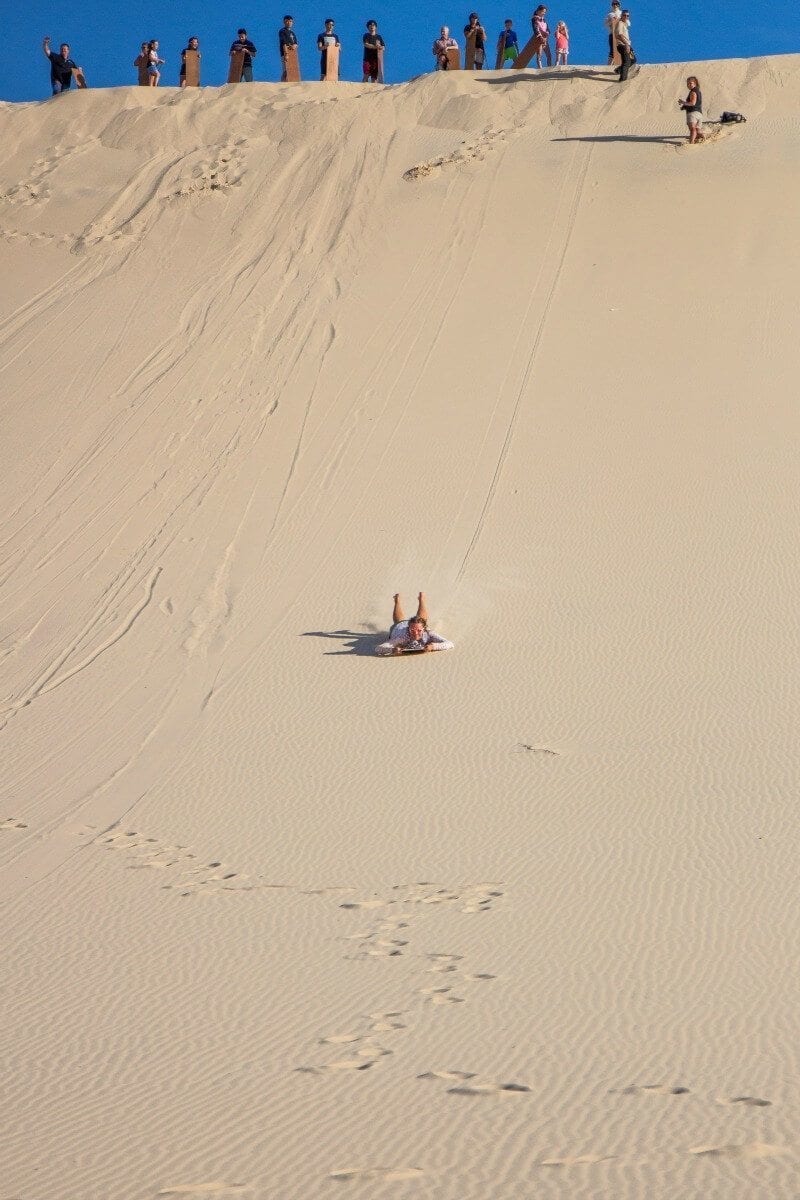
284 920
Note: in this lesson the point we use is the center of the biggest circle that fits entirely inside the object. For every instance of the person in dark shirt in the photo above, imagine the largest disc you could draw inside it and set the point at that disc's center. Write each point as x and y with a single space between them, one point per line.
244 46
373 42
475 30
325 39
286 37
61 67
192 44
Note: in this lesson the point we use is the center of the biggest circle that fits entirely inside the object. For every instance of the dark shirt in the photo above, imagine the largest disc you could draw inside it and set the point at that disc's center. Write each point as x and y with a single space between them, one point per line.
61 69
286 37
249 49
479 41
698 104
372 43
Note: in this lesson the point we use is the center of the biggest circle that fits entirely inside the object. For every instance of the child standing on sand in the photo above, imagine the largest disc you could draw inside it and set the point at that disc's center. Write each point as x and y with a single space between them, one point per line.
562 44
153 63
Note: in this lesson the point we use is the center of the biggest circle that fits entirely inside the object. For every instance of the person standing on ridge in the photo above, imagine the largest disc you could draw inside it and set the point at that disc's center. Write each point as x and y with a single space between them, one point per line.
562 44
244 46
153 63
286 37
693 107
611 24
507 43
622 36
325 39
61 67
373 43
192 44
475 31
541 32
440 47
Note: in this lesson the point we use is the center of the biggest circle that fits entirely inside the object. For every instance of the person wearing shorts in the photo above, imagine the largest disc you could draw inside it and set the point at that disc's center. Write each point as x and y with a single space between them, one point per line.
61 67
508 43
412 634
373 42
693 107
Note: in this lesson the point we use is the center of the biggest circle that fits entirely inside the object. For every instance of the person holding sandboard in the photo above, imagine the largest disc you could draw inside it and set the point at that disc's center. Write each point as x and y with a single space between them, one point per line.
190 64
445 51
374 47
287 47
140 62
475 44
507 45
411 636
328 45
242 53
62 68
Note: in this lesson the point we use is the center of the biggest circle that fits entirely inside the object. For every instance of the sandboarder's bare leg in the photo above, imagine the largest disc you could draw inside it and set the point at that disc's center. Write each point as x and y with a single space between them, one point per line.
422 608
397 613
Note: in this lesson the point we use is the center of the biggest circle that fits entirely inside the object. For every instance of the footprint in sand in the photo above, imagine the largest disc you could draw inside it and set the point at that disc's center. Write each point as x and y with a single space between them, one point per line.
440 995
12 823
650 1089
464 1085
747 1101
377 1174
747 1150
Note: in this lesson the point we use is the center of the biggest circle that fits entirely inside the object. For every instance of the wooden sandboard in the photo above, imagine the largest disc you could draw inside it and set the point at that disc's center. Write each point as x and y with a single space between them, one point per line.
79 77
332 64
527 52
501 52
236 67
380 64
469 52
141 66
453 59
192 68
291 61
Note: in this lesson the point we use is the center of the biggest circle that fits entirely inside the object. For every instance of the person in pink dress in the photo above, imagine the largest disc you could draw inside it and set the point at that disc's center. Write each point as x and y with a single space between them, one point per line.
562 44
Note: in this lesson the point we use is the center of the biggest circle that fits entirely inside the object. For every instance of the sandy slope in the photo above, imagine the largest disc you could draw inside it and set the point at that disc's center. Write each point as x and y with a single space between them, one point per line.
286 927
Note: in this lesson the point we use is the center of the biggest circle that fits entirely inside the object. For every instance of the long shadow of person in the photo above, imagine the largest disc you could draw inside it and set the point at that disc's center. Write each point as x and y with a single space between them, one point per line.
353 642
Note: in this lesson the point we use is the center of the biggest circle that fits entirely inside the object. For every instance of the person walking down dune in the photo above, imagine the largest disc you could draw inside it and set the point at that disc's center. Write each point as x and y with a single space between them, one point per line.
507 43
440 47
622 35
153 63
61 67
693 107
412 634
611 25
562 44
541 31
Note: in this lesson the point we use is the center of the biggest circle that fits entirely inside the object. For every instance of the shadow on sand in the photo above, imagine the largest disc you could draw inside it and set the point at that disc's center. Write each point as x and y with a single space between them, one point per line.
362 644
665 139
534 75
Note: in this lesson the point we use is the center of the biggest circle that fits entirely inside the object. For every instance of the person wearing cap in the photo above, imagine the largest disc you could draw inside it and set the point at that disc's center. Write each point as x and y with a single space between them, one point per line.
286 37
507 43
325 39
373 42
610 23
192 44
440 47
474 31
411 635
61 67
244 46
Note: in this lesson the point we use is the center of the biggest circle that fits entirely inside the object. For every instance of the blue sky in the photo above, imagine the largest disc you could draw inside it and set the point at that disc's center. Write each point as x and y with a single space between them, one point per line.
105 37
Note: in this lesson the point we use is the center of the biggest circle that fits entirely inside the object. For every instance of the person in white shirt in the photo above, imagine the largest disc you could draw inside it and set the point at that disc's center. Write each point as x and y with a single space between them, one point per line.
412 634
610 23
622 36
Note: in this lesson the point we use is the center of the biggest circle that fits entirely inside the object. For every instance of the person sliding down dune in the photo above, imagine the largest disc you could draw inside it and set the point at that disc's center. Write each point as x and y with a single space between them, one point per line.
412 634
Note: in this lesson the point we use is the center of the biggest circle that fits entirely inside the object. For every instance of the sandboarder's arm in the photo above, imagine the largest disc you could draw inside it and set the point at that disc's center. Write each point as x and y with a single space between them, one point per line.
46 47
436 642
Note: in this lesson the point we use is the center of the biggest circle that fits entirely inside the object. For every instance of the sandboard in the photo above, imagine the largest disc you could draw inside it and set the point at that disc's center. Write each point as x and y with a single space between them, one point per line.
501 52
332 64
469 53
291 61
527 52
380 64
192 59
79 77
141 66
453 58
236 67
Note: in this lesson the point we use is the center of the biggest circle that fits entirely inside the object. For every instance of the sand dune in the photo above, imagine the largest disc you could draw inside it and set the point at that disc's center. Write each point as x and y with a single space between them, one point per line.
511 920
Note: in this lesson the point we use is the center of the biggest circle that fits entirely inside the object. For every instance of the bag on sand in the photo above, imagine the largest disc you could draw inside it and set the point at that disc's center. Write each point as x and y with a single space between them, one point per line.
728 118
